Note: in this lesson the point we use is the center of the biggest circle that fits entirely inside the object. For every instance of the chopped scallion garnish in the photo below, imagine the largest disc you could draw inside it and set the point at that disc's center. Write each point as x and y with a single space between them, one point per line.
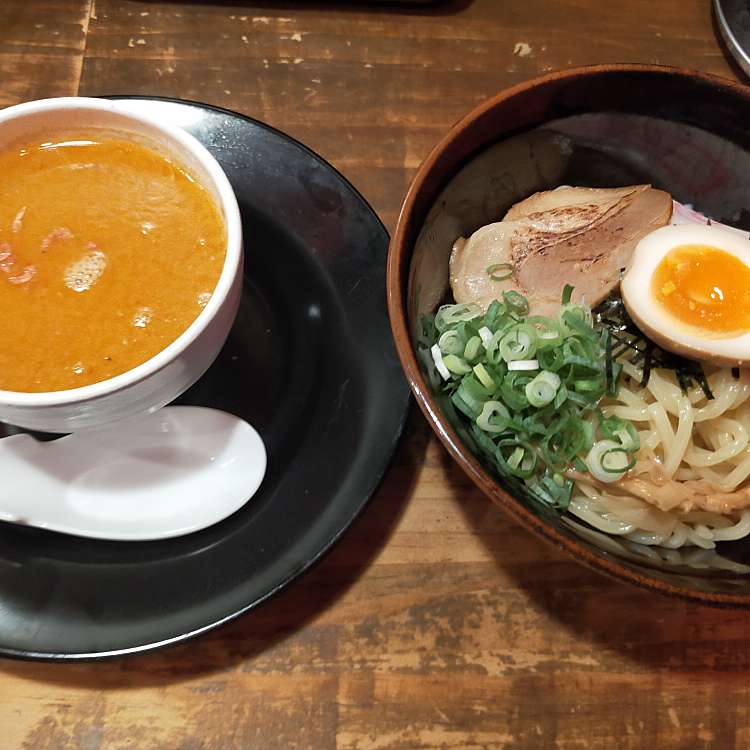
525 390
500 271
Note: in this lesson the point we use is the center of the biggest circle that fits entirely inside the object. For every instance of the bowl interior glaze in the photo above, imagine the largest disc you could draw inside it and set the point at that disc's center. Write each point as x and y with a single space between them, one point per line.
605 126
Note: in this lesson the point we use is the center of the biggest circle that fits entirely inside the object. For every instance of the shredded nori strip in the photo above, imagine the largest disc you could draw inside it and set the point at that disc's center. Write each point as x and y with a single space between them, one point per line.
608 369
626 336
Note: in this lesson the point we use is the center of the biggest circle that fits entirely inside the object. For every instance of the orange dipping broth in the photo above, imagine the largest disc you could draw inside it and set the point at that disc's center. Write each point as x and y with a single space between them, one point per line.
108 252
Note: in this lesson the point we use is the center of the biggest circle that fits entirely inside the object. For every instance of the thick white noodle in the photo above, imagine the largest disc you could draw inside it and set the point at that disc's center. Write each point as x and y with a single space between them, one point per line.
685 437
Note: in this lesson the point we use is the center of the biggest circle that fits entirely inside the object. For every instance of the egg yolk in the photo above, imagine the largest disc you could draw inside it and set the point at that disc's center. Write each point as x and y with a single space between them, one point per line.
704 287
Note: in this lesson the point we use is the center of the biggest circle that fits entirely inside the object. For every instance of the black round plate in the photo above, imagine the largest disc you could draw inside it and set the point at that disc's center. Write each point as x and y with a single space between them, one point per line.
310 363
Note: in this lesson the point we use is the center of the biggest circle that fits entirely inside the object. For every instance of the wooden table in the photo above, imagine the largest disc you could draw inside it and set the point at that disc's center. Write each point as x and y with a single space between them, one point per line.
436 622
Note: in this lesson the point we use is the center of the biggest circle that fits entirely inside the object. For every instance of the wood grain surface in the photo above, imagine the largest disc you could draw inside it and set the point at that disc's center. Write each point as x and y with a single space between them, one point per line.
436 622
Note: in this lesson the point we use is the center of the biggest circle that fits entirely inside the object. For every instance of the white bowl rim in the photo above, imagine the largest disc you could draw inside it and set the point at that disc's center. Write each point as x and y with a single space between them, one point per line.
227 201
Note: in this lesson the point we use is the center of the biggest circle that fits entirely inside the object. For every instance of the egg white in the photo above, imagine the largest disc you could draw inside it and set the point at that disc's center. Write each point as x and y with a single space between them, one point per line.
655 321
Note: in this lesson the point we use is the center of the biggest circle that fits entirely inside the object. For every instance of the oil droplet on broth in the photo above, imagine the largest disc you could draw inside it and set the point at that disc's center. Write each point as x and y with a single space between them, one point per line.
203 299
142 317
83 273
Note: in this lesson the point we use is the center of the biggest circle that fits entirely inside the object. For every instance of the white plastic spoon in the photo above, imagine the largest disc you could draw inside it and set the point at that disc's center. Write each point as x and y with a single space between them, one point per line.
170 473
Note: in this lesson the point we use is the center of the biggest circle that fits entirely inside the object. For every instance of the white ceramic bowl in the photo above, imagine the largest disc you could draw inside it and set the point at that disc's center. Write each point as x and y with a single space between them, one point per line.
165 376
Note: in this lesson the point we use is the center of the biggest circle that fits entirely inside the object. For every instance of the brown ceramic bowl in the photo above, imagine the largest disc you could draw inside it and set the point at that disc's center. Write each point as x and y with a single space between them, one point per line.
603 126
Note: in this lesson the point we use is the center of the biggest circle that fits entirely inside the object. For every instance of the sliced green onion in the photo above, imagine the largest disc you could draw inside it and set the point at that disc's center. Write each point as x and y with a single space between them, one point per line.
535 424
469 409
568 437
473 348
521 459
630 442
492 348
449 315
562 395
515 458
551 377
484 377
451 342
523 392
495 314
608 461
500 271
555 446
551 359
577 320
621 430
617 460
540 393
494 417
466 329
581 355
516 302
589 385
548 332
585 402
485 334
523 365
429 369
519 342
553 492
542 389
437 358
456 365
586 430
567 293
484 441
475 388
513 390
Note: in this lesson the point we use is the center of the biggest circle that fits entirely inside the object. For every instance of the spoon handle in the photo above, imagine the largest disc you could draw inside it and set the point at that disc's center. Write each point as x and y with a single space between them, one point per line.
157 476
27 491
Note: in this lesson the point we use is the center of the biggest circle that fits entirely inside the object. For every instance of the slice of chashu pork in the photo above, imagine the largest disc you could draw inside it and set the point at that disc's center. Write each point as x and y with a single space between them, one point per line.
578 236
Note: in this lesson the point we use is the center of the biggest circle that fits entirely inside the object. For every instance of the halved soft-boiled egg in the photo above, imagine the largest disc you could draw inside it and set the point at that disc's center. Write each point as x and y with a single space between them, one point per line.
687 288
